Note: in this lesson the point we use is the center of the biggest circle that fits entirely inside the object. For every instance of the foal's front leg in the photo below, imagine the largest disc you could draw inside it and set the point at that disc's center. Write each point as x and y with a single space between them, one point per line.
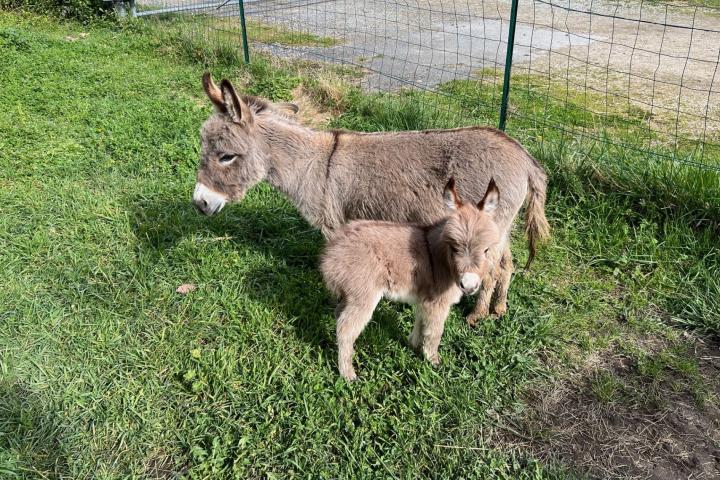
433 316
482 304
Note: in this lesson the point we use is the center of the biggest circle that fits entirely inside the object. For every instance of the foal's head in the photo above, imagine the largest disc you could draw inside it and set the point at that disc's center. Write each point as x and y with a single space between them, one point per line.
470 234
234 156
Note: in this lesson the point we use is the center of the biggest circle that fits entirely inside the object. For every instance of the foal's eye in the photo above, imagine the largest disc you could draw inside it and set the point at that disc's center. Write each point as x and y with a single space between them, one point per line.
227 158
486 250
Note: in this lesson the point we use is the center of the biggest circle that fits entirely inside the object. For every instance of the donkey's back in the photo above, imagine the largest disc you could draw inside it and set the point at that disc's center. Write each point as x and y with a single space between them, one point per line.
398 176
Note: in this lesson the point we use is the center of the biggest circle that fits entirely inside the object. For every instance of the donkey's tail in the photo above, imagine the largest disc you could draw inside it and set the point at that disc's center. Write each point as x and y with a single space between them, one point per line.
537 228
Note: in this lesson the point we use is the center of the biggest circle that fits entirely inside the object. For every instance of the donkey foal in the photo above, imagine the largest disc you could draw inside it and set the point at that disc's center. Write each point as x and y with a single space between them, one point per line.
431 267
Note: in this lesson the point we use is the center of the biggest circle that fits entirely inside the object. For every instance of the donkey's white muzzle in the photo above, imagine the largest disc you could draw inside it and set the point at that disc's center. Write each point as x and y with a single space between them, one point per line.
208 201
469 283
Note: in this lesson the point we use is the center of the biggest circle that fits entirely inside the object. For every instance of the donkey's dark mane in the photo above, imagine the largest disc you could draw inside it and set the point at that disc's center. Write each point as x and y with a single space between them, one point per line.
257 104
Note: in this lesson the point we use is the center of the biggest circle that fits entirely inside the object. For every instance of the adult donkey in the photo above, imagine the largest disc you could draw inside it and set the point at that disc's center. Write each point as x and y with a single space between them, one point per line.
335 176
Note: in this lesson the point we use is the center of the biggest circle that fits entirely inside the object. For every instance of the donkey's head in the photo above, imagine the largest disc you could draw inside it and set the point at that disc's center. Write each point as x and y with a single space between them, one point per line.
234 156
470 234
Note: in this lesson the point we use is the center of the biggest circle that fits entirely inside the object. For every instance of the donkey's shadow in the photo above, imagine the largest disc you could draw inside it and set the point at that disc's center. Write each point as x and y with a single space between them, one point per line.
289 282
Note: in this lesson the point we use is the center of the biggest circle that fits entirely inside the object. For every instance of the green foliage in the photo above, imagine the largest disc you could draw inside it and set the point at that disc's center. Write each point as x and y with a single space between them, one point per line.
77 9
271 82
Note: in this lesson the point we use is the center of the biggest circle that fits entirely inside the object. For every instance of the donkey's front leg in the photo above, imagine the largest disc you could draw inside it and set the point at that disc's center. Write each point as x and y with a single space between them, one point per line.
433 315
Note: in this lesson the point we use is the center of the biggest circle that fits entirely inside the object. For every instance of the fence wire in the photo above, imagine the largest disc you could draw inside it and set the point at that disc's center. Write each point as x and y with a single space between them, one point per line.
642 77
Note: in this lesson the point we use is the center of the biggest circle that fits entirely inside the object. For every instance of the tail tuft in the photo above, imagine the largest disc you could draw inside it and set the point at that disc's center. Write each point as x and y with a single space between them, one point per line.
537 228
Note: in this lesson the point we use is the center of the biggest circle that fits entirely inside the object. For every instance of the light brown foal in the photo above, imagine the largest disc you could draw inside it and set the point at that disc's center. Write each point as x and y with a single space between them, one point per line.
430 267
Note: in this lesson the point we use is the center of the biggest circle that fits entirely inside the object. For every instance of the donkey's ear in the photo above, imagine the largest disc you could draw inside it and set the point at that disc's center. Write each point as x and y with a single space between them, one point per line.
450 197
492 196
213 92
287 107
238 110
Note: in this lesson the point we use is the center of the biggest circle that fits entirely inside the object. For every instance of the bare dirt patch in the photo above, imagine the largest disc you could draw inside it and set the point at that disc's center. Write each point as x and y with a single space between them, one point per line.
611 421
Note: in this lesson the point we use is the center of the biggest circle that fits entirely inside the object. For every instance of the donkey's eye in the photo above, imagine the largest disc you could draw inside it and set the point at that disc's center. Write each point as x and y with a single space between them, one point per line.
227 158
486 250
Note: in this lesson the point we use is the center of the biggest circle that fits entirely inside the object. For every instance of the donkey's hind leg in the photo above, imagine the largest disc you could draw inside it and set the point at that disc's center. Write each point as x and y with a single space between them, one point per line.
351 321
506 269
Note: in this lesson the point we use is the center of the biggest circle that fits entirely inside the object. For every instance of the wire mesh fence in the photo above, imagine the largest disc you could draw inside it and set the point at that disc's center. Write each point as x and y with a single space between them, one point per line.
637 78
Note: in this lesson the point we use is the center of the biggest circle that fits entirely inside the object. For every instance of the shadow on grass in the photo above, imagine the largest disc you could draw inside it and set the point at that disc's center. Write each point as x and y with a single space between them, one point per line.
29 435
289 282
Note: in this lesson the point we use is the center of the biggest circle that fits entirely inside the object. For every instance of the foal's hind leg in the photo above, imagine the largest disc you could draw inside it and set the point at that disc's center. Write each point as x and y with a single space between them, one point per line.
499 306
351 321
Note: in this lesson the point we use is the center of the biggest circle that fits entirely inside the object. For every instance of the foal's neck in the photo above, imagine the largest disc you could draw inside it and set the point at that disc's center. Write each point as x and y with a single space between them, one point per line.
437 251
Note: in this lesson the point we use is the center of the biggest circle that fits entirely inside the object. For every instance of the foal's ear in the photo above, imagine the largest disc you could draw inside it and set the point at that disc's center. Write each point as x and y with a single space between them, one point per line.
287 107
450 196
492 196
238 110
213 92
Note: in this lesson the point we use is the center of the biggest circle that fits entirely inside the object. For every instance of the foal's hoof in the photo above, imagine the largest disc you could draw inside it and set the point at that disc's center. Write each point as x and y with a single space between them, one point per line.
349 377
500 310
434 359
473 318
348 374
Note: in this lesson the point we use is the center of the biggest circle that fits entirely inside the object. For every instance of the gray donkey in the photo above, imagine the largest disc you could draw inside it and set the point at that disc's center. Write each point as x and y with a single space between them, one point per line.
335 176
431 267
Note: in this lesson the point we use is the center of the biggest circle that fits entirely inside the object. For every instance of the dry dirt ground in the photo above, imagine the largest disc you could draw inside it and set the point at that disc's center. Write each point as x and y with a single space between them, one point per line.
643 429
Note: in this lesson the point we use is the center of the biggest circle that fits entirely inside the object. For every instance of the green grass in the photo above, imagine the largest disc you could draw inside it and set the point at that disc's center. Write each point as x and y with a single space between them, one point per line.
263 33
693 3
106 372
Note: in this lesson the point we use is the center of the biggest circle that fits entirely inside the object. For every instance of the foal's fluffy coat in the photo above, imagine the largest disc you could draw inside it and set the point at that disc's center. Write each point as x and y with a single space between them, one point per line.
429 266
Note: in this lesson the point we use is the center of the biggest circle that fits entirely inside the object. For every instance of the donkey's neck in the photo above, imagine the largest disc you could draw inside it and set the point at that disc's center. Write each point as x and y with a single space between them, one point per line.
299 159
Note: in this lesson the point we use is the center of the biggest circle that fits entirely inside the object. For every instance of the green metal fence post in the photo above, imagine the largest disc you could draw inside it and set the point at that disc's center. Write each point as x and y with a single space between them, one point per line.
508 65
246 53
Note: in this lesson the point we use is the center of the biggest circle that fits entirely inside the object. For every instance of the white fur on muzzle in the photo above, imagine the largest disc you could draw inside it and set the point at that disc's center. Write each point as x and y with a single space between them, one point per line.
207 200
470 282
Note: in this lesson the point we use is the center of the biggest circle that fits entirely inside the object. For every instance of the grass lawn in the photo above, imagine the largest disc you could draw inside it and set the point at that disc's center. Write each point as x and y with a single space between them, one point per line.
107 372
